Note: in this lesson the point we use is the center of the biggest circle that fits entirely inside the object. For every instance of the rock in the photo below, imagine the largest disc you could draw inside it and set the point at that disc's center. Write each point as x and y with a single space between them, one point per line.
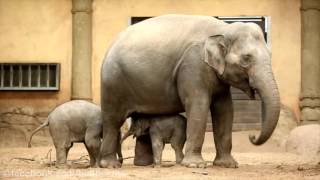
305 140
287 121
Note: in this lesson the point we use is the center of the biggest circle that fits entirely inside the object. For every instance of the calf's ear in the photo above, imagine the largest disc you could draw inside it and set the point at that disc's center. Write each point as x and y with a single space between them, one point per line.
215 50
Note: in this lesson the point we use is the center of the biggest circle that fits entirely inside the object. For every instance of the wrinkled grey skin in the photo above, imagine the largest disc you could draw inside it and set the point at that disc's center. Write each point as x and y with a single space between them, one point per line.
75 121
163 130
175 63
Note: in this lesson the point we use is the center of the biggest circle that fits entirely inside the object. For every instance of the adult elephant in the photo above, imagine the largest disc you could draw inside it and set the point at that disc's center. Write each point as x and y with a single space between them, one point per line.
175 63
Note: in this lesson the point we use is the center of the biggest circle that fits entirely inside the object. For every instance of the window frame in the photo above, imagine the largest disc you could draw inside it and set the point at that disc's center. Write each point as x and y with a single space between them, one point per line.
30 87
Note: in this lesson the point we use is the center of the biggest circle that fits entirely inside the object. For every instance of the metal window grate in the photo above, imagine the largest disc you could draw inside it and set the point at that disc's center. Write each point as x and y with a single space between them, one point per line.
31 76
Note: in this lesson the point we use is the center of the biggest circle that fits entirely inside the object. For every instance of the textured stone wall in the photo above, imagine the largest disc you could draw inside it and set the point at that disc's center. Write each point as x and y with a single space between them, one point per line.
17 123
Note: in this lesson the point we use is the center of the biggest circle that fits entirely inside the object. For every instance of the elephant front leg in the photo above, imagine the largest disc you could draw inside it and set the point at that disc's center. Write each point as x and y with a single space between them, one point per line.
222 119
157 148
92 143
197 110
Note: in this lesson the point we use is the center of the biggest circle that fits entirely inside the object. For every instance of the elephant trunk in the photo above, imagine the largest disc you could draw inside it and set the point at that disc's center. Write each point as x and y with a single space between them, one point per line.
125 136
262 80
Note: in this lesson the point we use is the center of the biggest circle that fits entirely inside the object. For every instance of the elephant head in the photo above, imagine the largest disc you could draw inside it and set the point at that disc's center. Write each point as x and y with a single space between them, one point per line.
139 127
241 58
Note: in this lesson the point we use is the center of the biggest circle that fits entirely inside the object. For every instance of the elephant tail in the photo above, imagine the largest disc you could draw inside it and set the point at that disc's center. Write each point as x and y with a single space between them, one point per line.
46 123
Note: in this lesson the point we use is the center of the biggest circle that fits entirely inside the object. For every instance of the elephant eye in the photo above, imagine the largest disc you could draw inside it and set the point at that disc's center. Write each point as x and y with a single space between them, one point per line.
245 60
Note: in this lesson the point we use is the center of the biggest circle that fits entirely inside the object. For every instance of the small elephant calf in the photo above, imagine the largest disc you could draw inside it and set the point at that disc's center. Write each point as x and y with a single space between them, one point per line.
162 129
75 121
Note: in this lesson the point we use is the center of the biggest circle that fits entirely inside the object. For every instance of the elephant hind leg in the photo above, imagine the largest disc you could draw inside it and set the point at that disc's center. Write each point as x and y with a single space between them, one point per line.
62 143
62 151
110 142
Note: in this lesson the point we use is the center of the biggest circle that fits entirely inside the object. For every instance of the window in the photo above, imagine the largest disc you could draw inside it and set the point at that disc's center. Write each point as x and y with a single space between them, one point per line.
262 21
34 76
135 20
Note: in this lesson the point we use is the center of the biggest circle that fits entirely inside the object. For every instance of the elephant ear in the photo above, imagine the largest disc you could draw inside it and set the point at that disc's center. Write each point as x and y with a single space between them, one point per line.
215 52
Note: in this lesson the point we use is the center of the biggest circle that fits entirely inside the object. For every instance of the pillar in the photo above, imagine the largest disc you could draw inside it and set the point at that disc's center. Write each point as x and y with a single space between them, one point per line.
310 65
81 49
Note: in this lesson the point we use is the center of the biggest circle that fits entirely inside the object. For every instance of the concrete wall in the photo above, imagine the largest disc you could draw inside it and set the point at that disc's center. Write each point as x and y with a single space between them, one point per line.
36 31
33 31
110 17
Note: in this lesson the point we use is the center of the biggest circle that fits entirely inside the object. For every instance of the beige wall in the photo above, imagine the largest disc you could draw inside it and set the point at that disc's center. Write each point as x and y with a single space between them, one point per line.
36 31
110 17
40 31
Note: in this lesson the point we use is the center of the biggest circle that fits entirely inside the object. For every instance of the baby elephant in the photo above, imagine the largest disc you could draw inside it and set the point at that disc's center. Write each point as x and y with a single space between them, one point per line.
162 129
75 121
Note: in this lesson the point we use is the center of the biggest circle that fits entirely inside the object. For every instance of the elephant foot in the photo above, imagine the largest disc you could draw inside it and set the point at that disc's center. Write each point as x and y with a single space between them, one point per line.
110 164
121 160
95 165
194 161
62 166
156 165
179 159
225 161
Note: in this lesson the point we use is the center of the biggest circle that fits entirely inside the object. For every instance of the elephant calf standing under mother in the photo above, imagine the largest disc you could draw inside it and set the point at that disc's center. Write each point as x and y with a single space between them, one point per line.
162 130
175 63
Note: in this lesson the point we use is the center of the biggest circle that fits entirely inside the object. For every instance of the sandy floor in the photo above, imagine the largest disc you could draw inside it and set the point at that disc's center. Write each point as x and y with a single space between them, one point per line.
263 162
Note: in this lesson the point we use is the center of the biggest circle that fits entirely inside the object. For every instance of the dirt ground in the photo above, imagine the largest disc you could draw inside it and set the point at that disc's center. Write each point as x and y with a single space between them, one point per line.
263 162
